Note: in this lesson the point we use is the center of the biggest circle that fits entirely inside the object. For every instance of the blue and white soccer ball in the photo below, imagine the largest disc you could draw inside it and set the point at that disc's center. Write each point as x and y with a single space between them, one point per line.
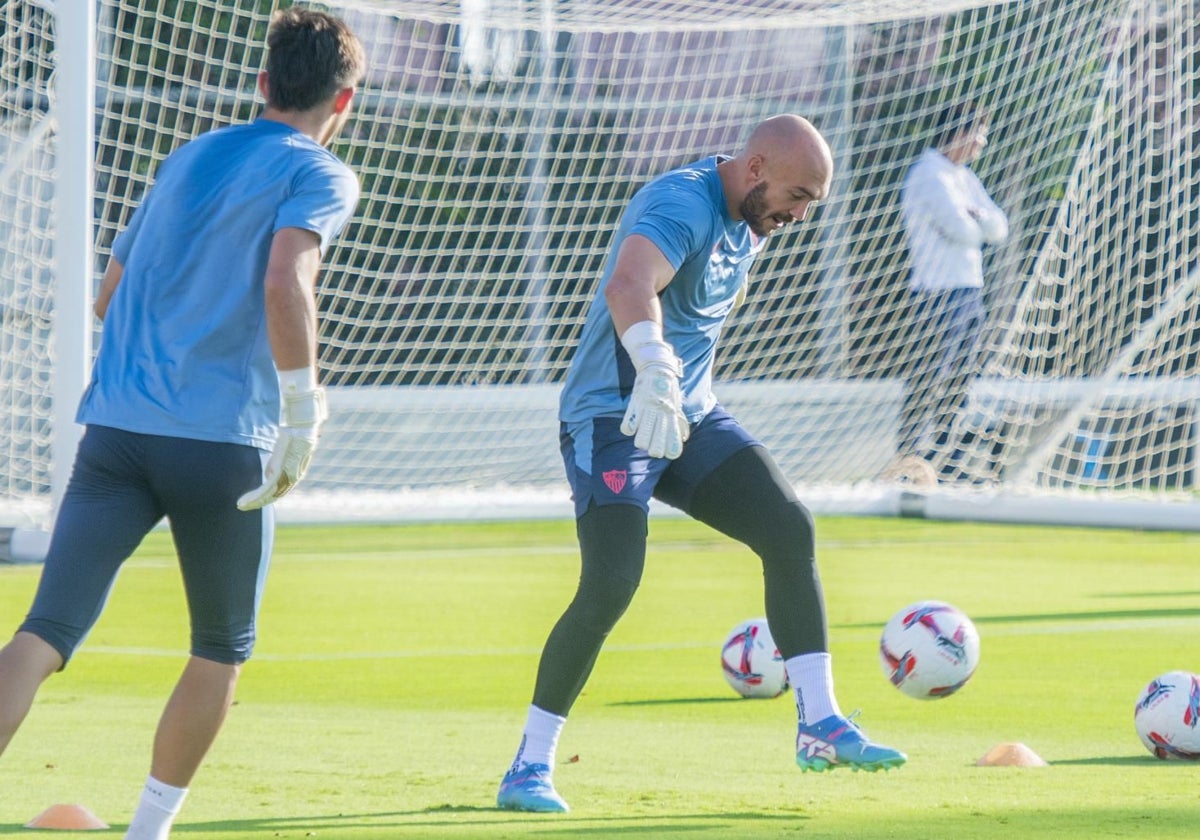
929 650
751 662
1167 716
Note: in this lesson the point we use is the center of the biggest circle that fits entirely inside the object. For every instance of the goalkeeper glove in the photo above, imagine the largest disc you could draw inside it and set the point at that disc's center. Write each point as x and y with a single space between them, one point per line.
655 416
302 412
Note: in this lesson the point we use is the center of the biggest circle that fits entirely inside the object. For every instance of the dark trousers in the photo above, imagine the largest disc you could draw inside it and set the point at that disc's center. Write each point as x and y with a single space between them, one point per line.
944 339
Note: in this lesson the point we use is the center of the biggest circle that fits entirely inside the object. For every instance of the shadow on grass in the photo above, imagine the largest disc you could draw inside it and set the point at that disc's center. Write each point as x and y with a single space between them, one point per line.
677 701
1168 594
485 817
1105 615
1146 760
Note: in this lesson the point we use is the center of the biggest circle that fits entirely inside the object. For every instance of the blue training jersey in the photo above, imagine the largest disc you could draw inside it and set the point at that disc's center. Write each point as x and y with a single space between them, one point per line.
684 213
184 351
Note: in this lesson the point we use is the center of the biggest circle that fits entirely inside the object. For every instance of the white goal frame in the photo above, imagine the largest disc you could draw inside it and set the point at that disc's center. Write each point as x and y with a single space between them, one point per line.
539 491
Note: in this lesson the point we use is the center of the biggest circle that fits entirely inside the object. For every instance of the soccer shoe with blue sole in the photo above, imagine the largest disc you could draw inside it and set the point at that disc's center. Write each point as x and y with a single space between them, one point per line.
838 742
528 788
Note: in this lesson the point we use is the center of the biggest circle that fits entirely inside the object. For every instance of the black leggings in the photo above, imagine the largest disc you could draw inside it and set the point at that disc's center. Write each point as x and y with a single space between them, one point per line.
746 498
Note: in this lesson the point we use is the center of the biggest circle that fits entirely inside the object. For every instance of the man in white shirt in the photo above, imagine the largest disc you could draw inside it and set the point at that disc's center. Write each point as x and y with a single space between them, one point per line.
948 218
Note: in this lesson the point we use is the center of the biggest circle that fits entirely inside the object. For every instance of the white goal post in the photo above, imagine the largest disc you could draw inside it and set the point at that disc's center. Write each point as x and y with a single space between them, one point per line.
497 142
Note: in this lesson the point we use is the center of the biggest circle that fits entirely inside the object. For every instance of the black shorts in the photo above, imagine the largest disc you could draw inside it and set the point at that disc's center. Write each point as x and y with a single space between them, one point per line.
121 486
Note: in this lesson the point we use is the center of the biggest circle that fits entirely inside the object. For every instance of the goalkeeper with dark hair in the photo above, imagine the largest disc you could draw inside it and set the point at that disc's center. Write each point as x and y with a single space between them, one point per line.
203 407
639 421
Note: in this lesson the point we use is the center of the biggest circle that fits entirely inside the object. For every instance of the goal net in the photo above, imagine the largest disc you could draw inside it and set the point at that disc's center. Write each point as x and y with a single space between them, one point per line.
497 142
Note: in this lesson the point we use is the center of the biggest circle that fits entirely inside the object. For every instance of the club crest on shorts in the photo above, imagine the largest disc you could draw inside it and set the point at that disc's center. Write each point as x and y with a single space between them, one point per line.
615 479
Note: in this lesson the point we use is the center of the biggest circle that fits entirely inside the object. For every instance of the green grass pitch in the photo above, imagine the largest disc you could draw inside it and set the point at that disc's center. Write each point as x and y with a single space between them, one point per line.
395 664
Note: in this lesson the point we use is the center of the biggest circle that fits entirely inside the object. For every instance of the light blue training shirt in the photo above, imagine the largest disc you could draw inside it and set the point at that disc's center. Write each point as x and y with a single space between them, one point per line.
184 351
684 213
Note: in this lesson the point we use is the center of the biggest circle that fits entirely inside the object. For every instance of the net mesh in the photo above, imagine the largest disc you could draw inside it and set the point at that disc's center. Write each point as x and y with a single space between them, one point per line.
497 142
27 144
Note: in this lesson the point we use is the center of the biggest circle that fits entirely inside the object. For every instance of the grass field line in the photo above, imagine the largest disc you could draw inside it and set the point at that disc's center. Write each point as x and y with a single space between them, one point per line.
396 555
1047 628
402 554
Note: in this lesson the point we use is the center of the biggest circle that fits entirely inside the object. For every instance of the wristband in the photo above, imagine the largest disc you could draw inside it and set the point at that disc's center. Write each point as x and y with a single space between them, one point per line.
641 333
645 345
298 381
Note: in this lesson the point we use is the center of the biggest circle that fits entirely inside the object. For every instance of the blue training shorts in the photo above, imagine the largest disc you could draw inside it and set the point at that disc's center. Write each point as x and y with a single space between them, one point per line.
605 468
121 486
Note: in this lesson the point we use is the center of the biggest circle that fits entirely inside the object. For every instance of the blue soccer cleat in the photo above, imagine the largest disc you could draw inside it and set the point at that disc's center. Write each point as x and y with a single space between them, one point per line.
528 788
838 742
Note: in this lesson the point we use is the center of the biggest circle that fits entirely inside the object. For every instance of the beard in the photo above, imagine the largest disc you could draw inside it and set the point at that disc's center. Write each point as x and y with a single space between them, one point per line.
754 211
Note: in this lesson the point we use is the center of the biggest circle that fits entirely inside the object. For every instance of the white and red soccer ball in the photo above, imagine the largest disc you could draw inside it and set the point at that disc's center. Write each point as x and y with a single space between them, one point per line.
1167 716
750 661
929 650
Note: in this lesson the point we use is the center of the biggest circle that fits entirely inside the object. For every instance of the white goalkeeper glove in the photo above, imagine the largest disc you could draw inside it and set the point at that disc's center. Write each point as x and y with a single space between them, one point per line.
655 416
302 411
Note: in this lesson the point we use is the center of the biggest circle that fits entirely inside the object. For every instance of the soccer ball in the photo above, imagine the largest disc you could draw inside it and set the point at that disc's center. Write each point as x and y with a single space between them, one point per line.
751 662
929 650
1167 716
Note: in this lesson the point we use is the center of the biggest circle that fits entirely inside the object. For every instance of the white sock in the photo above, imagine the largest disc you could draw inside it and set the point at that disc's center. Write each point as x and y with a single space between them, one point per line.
811 676
156 811
540 738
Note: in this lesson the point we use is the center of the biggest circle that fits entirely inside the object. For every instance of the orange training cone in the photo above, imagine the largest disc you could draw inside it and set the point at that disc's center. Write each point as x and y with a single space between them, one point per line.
1011 755
67 818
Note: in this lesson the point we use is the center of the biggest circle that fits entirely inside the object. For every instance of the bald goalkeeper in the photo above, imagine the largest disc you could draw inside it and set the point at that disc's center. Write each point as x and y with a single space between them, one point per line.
639 420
